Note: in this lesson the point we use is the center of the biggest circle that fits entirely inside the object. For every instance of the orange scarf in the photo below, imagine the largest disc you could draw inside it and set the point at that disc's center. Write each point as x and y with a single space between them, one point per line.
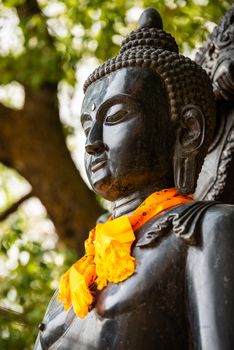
108 252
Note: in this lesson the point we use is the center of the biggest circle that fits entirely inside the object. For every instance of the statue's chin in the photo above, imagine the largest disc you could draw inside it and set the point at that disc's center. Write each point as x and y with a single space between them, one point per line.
109 187
101 183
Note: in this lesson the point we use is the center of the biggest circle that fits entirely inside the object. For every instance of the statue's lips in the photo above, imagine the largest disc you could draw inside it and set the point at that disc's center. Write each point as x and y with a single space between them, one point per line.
98 164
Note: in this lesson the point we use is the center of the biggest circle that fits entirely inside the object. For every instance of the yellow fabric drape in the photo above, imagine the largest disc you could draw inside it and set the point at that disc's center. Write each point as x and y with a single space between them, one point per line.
108 252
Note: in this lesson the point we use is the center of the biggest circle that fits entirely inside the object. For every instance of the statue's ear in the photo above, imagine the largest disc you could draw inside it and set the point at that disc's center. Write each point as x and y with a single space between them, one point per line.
188 148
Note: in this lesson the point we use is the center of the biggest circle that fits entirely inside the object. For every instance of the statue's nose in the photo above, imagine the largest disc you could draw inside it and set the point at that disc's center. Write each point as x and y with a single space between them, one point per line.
94 143
95 147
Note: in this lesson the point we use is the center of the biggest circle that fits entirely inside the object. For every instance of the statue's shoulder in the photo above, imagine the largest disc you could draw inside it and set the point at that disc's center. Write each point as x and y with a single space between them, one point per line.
190 222
218 224
203 221
213 253
220 212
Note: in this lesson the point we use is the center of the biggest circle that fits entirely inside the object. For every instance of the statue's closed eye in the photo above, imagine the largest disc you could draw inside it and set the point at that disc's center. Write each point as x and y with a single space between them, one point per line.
116 117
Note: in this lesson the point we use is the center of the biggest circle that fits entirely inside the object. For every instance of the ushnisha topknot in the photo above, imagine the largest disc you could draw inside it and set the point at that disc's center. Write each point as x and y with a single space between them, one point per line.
152 48
149 34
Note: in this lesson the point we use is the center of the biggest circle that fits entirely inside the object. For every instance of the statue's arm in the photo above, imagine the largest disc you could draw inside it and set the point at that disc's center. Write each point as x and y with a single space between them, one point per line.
210 282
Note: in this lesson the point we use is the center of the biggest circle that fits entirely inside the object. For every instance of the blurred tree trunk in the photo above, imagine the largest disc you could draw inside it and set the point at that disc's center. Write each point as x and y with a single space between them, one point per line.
32 142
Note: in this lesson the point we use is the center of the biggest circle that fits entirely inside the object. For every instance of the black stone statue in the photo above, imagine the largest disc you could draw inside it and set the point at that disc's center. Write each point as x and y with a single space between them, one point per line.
217 58
148 115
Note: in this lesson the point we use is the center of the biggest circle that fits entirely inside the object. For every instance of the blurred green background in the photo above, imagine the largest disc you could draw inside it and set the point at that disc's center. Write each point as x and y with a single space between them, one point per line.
47 48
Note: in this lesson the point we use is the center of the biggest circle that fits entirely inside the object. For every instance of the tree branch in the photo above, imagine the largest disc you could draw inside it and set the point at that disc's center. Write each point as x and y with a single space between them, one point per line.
14 206
13 316
28 8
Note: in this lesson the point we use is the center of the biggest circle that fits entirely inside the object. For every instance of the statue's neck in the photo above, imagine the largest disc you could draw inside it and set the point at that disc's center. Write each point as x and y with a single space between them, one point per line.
126 205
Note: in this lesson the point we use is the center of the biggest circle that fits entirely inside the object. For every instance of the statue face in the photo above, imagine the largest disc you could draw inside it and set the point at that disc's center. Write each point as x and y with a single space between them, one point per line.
129 133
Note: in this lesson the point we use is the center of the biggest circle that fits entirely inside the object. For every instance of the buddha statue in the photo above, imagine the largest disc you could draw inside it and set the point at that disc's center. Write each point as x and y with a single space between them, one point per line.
157 274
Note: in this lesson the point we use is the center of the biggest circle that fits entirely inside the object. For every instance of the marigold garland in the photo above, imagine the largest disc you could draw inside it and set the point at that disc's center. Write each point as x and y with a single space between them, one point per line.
108 252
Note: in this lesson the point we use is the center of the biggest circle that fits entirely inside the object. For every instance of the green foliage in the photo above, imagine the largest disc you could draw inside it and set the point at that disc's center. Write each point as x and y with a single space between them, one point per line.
56 37
31 273
31 264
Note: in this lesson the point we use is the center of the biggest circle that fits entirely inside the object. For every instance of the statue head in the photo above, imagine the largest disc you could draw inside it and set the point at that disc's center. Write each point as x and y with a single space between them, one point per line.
148 115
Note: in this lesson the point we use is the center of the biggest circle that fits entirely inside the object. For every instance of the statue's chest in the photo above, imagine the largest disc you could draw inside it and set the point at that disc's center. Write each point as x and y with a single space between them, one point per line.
145 299
157 274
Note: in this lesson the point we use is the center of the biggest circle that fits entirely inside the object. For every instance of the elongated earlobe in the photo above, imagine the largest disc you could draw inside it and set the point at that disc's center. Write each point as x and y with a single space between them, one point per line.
185 174
189 142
